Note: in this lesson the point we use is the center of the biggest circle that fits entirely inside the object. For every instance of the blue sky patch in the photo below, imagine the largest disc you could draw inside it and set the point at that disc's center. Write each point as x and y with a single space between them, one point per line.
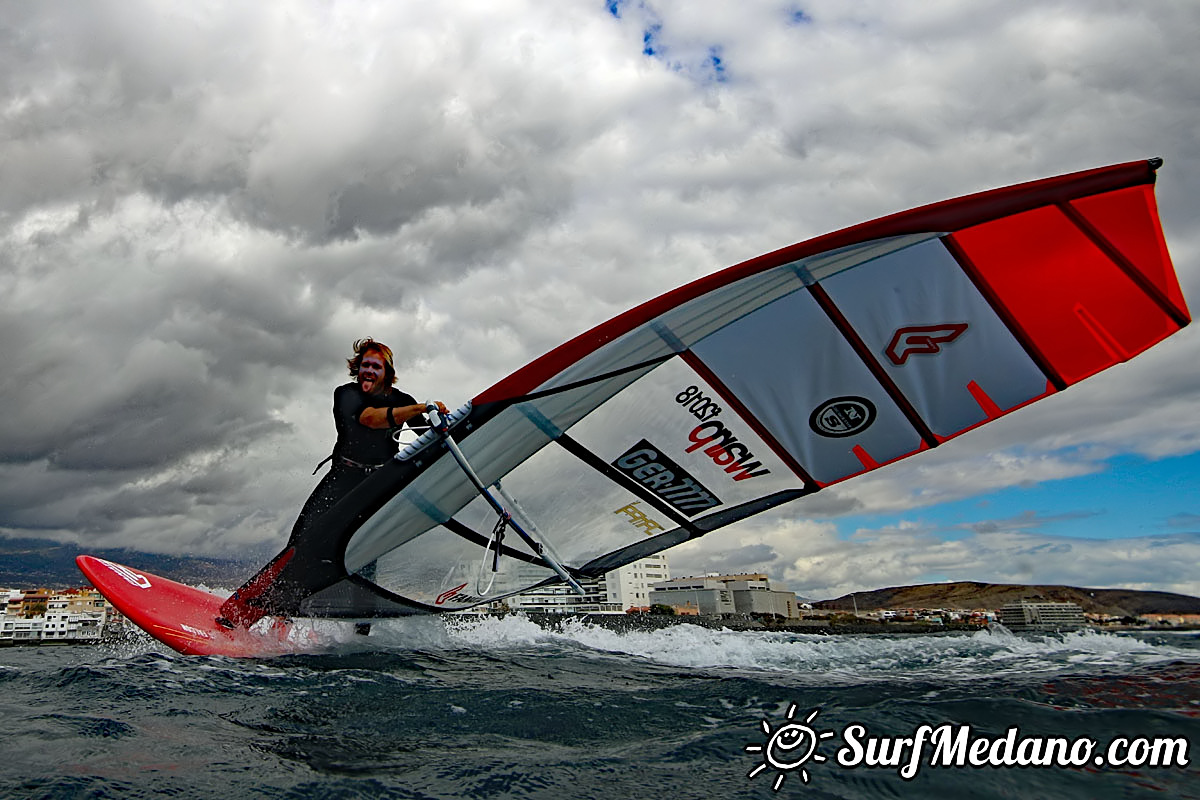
650 46
798 16
1133 496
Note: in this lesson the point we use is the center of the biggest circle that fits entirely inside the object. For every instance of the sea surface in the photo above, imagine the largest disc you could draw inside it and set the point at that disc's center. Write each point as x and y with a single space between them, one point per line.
432 708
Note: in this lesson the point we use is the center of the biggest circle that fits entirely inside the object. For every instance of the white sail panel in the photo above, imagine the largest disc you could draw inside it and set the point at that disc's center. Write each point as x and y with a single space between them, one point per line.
936 337
674 435
442 489
794 369
576 509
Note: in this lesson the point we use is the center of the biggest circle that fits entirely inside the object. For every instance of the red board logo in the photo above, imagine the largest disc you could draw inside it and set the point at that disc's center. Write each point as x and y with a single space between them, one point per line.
135 578
922 339
456 595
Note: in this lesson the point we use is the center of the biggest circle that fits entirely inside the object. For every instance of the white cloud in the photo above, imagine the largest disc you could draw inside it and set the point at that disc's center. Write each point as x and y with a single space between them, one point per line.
811 559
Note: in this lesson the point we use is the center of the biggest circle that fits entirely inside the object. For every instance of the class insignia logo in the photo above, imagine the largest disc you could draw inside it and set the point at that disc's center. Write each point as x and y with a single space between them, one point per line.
842 416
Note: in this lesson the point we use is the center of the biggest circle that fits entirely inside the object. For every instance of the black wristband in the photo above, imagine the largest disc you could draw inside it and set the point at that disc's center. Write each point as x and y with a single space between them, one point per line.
391 419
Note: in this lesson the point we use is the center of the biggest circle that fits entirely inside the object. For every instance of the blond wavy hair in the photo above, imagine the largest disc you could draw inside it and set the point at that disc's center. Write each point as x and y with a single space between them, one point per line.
368 345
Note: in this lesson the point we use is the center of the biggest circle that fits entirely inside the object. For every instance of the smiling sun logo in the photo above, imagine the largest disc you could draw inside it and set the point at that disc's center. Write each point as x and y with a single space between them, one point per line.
789 747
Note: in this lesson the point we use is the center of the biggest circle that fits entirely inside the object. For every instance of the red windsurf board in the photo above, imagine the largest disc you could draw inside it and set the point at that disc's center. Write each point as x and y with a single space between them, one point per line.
185 618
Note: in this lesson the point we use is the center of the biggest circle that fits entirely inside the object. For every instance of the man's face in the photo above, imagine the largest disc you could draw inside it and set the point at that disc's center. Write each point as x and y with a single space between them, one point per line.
371 371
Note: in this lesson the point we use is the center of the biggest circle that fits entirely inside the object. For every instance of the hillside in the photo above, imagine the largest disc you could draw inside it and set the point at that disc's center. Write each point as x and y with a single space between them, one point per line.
32 563
970 595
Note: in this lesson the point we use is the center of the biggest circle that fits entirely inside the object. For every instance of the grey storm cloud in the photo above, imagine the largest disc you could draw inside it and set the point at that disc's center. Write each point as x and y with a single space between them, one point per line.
202 205
313 138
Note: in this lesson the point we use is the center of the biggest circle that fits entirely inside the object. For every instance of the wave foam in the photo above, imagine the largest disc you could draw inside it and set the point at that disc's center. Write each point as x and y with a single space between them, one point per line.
859 656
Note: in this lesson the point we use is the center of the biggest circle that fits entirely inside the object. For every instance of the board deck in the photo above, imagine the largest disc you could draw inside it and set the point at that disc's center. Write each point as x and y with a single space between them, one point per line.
185 618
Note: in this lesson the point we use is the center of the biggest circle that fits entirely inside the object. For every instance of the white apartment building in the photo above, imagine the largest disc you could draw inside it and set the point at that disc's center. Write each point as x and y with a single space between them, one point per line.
21 629
614 593
1027 615
75 616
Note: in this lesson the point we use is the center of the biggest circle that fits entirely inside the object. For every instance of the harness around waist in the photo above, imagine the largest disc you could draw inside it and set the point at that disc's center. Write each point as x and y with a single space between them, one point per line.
347 462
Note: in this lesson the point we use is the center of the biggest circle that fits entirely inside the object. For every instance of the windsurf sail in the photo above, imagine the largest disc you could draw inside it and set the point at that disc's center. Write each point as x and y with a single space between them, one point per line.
749 388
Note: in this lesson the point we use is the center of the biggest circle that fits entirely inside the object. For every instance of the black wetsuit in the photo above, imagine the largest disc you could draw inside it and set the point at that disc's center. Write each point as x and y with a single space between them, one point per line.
278 587
358 450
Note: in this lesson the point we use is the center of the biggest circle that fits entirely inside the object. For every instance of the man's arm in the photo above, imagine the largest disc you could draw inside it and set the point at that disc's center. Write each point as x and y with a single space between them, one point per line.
378 417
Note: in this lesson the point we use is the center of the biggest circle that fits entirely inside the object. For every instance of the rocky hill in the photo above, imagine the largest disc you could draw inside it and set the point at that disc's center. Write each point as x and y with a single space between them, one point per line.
971 595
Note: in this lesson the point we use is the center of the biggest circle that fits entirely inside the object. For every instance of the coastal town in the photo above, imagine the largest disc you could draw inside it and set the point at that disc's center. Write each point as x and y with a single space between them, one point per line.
645 589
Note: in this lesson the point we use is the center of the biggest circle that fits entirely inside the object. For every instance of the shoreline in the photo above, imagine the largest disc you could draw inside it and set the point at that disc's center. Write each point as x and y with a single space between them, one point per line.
6 643
630 623
623 623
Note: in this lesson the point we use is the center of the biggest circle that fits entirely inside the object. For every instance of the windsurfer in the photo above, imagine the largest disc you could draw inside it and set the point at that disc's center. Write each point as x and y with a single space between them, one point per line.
366 412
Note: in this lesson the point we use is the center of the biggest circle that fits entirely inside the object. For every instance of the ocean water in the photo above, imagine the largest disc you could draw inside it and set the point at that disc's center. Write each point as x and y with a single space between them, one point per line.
431 708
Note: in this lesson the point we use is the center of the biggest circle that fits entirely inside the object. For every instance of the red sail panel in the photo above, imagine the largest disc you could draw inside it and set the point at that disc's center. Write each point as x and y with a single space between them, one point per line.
1128 219
1077 305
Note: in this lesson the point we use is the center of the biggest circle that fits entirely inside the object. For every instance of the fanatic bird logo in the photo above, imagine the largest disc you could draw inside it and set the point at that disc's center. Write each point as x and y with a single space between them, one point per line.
789 747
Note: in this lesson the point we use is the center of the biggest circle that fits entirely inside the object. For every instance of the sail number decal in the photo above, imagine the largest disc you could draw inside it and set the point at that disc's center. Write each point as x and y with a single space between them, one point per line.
647 465
698 403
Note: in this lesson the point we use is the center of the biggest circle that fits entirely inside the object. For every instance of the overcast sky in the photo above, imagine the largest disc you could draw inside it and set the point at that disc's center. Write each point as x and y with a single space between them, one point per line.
203 204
